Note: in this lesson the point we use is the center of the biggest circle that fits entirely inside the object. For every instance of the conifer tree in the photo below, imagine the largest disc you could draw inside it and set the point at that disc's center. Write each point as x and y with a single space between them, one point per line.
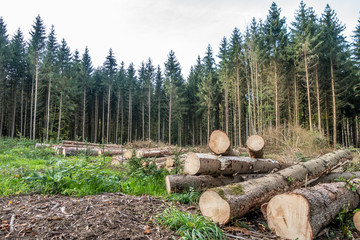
159 94
86 71
4 59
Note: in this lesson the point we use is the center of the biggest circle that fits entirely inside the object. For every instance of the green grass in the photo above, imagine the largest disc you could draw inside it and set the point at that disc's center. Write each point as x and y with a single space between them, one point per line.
190 226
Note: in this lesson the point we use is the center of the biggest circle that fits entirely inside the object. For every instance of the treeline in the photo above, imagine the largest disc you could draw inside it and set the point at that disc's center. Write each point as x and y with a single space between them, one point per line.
269 76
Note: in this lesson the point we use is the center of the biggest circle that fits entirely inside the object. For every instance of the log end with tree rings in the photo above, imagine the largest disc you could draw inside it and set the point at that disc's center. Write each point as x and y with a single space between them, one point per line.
356 220
255 146
215 207
219 142
128 154
288 216
192 164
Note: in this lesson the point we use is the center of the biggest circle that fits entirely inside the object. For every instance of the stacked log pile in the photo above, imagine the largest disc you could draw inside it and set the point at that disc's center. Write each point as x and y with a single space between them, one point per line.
222 166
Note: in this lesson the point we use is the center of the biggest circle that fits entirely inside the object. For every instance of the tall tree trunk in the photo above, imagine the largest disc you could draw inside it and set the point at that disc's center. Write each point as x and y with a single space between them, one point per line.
308 88
25 114
21 109
117 118
149 113
159 119
108 116
59 123
35 97
122 120
129 119
170 105
2 113
327 118
31 109
103 139
277 118
238 104
142 120
48 111
318 99
226 103
96 125
84 114
333 101
208 123
296 103
357 131
13 115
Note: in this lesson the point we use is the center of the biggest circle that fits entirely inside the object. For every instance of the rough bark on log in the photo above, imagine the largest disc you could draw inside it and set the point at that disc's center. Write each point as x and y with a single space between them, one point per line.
356 220
149 153
302 213
332 177
76 151
219 143
210 164
42 145
255 146
110 152
235 200
180 183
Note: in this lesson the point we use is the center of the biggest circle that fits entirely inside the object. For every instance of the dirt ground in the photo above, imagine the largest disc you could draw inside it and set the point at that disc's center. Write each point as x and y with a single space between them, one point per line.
106 216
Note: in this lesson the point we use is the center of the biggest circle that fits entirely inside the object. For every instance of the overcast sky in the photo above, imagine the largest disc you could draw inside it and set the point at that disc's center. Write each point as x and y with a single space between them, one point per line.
139 29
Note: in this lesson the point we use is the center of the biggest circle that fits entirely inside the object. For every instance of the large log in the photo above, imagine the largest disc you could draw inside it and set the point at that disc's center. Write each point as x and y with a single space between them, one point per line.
235 200
255 146
332 177
42 145
110 152
158 152
219 143
302 213
68 151
128 154
180 183
356 220
210 164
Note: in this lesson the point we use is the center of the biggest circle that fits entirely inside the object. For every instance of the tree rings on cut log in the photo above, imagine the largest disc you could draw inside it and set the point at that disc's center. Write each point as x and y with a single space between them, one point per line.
215 207
356 220
255 145
219 143
128 154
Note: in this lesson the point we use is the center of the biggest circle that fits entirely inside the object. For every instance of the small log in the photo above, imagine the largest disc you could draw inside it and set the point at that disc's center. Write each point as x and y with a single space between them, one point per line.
210 164
356 220
149 153
180 183
169 161
110 152
219 143
255 146
235 200
302 213
128 154
115 162
42 145
332 177
76 151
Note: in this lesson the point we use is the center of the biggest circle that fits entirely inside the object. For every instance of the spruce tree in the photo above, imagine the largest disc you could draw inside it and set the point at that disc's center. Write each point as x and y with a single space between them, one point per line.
86 71
4 59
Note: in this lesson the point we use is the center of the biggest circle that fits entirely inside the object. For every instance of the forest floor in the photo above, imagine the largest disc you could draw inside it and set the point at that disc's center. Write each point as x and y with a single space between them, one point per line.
111 216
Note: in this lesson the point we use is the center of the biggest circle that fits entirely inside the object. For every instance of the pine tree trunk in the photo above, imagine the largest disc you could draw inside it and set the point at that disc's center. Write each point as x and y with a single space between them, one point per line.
277 119
142 120
117 118
208 124
25 115
31 109
84 114
308 88
129 119
149 113
122 121
226 103
318 99
48 111
238 104
103 139
296 101
357 131
21 110
35 95
96 122
333 102
159 120
13 114
170 105
108 116
59 123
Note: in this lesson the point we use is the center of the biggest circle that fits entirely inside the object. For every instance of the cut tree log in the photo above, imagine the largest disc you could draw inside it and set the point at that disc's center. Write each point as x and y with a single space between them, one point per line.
219 143
42 145
76 151
333 177
210 164
180 183
158 152
356 220
128 154
255 146
110 152
235 200
302 213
